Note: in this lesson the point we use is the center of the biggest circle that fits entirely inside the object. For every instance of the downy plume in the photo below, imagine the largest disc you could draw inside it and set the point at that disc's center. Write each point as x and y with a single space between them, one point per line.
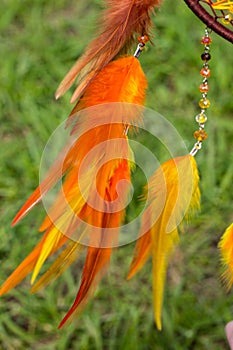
120 22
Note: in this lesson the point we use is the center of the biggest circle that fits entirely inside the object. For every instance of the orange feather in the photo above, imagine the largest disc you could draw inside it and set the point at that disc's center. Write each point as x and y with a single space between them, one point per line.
121 21
107 87
98 256
90 207
28 265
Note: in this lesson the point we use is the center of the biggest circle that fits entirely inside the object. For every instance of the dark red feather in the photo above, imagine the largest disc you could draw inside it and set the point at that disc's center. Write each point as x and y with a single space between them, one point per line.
121 21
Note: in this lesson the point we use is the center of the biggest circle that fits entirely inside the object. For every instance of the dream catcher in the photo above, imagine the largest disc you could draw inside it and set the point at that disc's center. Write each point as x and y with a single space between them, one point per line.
96 168
217 15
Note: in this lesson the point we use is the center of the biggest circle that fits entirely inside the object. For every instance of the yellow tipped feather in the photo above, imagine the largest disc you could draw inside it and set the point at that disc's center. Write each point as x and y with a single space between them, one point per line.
226 249
96 179
173 194
182 197
63 261
51 242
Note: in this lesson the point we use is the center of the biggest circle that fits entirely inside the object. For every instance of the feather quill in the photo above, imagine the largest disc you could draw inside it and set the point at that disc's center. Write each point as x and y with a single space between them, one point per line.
121 21
174 194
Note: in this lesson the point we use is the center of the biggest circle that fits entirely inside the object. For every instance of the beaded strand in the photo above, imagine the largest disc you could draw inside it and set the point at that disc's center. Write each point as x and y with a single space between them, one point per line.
200 135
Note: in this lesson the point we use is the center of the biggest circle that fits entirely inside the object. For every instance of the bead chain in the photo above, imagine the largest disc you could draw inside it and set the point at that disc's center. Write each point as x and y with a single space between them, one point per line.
201 135
204 103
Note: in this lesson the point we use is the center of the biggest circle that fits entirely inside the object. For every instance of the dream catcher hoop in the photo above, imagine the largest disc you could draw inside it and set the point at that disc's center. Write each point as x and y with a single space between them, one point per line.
217 15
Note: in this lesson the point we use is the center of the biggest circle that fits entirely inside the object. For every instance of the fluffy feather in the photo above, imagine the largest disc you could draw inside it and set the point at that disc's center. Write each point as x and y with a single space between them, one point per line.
173 194
226 249
121 21
98 256
90 207
92 125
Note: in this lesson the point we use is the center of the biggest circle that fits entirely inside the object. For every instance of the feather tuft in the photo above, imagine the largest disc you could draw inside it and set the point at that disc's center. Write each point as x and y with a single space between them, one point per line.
173 195
90 206
121 21
121 81
226 249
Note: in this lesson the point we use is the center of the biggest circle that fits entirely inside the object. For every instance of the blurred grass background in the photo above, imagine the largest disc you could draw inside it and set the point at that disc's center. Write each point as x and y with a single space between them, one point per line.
39 42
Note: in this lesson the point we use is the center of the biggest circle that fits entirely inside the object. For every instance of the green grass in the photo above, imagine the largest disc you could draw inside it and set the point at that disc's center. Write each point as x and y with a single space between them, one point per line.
39 42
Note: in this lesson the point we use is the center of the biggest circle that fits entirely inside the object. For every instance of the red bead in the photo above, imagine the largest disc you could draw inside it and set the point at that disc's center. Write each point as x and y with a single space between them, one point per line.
206 40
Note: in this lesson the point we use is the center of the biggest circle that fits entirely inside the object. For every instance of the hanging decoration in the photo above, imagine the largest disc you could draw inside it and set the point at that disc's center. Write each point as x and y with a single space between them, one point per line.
217 15
91 203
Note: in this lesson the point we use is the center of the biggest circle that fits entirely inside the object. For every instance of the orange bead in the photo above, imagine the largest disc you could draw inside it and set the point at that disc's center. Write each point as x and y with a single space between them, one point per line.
143 39
205 72
200 135
204 88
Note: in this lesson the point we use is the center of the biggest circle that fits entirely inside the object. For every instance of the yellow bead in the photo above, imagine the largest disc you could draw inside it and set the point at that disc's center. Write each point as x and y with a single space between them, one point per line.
204 103
201 118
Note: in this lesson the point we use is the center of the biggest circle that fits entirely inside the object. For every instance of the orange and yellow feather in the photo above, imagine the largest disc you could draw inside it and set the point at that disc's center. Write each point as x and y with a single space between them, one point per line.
173 195
72 220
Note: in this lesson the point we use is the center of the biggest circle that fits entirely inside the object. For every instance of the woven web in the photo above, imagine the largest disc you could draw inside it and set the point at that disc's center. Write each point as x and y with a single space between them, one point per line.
221 10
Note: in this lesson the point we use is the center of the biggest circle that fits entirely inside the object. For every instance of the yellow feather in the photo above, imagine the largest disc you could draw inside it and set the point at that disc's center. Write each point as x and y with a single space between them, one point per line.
173 195
51 241
226 249
182 197
63 261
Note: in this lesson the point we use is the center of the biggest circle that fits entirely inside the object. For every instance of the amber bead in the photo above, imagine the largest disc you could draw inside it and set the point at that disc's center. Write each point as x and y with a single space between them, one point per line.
205 72
204 88
204 103
200 135
143 39
206 40
206 56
